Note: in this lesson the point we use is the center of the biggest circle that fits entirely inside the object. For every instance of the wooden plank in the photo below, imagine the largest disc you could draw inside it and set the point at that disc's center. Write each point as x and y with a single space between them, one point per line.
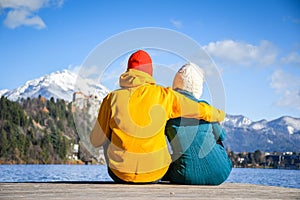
101 190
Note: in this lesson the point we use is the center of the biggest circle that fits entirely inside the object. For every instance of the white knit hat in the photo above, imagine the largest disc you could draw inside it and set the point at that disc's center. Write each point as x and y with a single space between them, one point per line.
190 77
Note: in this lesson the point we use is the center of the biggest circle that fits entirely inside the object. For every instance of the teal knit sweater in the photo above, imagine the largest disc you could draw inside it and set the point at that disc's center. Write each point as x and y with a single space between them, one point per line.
197 158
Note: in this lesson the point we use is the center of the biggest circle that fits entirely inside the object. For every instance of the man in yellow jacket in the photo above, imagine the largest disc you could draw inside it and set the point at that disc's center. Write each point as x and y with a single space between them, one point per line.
131 123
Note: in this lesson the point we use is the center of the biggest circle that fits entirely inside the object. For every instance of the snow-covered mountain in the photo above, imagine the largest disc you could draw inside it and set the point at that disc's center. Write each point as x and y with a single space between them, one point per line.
60 85
282 134
284 124
236 121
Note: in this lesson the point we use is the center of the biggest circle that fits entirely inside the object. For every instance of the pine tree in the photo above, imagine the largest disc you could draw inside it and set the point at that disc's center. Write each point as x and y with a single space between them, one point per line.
46 147
4 144
27 147
21 139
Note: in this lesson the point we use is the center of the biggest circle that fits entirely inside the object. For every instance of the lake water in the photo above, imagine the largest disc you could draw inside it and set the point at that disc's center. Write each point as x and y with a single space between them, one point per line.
92 173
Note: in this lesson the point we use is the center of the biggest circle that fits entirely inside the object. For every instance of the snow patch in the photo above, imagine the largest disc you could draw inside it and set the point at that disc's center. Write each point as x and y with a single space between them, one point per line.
269 141
290 129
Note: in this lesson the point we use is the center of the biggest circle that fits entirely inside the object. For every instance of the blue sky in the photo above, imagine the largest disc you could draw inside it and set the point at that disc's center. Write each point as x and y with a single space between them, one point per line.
255 44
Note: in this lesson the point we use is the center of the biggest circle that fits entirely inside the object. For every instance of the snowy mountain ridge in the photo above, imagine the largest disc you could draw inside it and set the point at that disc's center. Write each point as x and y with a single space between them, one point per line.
284 124
60 85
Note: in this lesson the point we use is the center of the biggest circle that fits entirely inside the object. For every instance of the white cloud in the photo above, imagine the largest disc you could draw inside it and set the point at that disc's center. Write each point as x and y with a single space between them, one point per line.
292 58
288 87
176 23
241 53
17 18
24 12
31 5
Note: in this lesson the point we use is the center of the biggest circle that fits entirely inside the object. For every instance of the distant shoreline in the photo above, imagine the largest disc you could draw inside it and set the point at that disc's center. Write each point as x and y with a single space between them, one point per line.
79 162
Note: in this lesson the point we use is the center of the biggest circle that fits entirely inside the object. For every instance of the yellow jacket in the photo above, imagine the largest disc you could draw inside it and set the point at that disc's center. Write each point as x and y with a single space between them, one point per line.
133 120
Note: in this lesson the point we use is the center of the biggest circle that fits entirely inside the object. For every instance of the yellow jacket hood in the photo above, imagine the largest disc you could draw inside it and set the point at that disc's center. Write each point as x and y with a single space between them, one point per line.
134 78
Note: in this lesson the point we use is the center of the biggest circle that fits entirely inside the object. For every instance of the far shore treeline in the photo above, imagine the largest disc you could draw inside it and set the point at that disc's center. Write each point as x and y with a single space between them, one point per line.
42 131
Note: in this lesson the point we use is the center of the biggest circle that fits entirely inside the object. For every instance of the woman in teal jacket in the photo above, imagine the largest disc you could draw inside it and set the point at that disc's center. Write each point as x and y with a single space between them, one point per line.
198 156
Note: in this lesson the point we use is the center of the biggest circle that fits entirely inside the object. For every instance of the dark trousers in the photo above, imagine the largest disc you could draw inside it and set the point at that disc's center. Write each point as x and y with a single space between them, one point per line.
120 181
114 177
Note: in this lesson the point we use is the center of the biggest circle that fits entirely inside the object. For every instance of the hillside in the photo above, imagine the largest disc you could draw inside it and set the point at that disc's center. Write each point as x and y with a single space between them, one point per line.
37 131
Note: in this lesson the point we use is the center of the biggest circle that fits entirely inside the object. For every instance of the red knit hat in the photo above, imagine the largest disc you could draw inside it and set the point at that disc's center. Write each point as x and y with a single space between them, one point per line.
140 60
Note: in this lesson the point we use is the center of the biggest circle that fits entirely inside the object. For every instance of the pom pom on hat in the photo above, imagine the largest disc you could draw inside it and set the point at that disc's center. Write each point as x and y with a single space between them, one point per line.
190 77
140 60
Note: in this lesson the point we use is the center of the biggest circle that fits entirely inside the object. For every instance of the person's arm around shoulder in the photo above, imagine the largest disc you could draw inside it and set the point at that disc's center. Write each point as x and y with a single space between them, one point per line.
188 108
219 131
101 131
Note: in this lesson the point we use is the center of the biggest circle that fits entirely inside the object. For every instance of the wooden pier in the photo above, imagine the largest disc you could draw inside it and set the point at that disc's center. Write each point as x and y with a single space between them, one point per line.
104 190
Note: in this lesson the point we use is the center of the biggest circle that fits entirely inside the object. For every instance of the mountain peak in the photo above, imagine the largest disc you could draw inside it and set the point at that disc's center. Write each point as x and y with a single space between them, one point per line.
236 121
286 123
59 84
